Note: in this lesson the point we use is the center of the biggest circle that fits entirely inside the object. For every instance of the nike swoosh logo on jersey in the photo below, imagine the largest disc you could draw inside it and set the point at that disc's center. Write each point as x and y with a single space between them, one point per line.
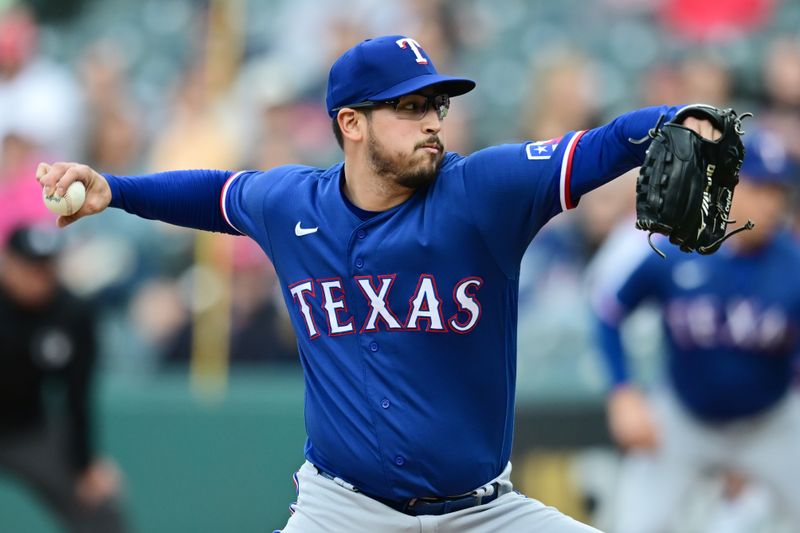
300 231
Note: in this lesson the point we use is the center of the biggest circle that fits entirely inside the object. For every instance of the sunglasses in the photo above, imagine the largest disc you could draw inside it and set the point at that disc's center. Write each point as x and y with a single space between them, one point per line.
410 106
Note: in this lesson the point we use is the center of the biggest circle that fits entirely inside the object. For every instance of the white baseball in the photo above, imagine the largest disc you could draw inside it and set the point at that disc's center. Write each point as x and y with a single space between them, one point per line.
68 204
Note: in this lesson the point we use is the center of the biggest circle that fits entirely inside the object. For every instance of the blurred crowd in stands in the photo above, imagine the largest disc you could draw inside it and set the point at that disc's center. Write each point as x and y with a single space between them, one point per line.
134 87
137 86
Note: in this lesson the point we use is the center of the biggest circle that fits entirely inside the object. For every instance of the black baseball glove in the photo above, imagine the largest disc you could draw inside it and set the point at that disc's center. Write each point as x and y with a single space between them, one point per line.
685 185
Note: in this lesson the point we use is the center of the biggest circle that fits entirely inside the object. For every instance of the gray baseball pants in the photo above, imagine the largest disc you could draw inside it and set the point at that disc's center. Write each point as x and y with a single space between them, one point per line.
324 506
653 485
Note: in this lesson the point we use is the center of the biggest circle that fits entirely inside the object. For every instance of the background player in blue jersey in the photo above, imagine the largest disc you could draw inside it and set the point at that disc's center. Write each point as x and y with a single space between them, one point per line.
732 332
400 270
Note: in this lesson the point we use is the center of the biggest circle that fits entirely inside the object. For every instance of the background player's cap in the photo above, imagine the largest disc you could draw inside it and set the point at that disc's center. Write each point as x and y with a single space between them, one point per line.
766 159
35 243
384 68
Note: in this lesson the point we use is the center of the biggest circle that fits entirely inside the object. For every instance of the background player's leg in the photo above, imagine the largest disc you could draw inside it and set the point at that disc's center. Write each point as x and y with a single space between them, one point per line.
744 506
324 506
653 483
771 455
650 492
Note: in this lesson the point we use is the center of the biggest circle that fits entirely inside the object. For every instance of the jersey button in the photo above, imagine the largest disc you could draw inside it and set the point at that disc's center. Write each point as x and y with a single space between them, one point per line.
373 346
399 460
385 403
361 234
359 262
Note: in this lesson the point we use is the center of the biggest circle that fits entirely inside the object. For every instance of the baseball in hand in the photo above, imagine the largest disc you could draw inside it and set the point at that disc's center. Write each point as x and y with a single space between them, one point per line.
68 204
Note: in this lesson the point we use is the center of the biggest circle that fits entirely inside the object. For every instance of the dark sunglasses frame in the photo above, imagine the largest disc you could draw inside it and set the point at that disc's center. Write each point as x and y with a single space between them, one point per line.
440 102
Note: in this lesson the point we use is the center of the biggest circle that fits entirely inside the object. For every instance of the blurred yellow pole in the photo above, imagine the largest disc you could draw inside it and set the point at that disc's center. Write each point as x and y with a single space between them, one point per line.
211 320
211 329
546 475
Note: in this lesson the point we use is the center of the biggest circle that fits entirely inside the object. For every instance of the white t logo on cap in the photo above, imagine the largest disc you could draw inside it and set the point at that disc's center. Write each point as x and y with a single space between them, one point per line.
415 47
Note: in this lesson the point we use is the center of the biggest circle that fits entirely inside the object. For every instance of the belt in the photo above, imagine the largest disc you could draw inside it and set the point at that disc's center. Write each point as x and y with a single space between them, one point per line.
426 505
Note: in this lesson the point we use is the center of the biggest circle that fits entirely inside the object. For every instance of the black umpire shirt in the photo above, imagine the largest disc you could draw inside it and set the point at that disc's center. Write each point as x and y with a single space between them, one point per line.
51 344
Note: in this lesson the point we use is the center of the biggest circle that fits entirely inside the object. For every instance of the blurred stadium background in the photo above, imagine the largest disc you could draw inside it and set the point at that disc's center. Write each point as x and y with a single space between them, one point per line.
200 396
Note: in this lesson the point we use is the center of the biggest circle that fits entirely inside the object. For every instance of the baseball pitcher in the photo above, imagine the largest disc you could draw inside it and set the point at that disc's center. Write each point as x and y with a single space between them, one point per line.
399 267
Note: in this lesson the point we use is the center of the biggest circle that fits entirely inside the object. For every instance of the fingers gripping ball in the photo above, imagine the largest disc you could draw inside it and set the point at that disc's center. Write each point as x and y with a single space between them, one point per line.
68 204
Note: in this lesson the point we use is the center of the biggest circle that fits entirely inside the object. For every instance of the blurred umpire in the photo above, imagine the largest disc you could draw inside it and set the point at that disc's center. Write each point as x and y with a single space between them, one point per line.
47 358
731 324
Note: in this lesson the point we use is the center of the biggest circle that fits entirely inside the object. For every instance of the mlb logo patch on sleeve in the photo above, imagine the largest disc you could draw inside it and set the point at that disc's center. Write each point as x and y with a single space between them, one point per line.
541 149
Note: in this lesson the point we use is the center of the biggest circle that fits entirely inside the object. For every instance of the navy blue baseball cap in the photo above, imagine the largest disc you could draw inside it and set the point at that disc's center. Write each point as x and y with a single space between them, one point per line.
385 68
766 159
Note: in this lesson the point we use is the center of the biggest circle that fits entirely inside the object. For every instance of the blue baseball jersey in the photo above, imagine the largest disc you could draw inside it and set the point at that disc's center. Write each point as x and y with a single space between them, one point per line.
406 319
731 323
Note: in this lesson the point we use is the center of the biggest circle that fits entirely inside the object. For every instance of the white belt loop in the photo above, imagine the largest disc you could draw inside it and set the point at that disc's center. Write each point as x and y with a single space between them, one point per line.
486 490
339 481
342 483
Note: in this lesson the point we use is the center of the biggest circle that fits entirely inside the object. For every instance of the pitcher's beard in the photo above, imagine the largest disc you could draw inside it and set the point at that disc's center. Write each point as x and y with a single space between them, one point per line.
411 172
